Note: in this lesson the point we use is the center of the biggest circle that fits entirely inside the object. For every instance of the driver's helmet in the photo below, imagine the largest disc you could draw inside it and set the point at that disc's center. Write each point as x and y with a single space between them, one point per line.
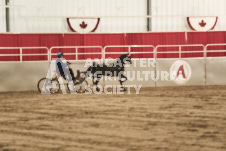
60 54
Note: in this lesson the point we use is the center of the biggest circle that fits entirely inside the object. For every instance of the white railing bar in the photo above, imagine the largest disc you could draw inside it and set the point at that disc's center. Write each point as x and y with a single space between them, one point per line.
106 53
23 55
109 46
127 52
220 44
34 55
180 45
116 53
146 52
9 54
24 48
57 47
215 56
78 53
180 52
163 46
179 58
26 61
215 51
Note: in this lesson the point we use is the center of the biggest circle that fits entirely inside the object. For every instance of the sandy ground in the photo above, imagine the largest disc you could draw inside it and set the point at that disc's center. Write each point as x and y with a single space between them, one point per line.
173 118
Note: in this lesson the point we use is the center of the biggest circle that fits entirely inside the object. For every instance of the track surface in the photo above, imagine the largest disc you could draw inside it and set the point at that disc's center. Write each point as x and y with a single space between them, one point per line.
173 118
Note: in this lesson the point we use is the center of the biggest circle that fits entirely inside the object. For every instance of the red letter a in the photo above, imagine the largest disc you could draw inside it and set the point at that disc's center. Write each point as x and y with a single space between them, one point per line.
182 70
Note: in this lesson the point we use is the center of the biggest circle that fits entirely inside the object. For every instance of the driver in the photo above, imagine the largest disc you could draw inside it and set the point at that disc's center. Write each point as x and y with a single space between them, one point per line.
61 67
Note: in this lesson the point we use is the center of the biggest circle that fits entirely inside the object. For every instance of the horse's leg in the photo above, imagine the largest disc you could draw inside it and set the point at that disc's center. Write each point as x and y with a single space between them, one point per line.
122 85
93 79
124 77
97 81
121 82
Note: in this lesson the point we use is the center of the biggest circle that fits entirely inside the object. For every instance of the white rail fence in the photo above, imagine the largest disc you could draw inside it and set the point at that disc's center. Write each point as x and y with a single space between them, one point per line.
76 48
21 53
129 47
103 51
180 51
208 50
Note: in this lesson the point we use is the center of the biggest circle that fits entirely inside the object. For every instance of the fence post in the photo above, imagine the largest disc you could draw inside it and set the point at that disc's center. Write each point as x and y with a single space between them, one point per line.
205 54
103 57
155 56
76 53
179 51
21 53
48 55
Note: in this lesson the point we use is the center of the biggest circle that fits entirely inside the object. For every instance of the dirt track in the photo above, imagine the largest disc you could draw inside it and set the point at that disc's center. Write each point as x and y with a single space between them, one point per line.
182 118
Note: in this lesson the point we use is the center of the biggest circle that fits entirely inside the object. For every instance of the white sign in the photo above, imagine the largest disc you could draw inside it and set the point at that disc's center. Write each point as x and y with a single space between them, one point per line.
180 72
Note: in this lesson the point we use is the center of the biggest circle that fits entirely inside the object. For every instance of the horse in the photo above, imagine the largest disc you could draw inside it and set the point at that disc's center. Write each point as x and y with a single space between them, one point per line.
116 69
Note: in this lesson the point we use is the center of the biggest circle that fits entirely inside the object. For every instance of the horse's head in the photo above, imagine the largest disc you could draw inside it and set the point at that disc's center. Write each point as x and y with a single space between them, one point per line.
125 58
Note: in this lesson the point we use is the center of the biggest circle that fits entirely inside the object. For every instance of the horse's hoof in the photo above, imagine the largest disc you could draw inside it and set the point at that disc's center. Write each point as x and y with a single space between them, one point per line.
97 89
124 89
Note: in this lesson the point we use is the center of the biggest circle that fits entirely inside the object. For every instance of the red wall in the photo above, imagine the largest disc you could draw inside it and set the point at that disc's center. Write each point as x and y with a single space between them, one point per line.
49 40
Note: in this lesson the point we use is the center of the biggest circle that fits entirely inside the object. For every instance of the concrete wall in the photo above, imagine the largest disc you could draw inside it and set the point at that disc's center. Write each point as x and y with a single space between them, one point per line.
25 76
216 71
21 76
197 67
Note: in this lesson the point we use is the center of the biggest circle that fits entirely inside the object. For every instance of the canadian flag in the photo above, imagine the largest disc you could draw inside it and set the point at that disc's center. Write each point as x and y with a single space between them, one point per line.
202 23
83 25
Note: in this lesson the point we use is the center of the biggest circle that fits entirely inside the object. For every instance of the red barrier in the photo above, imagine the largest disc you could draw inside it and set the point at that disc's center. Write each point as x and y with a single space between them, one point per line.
163 38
